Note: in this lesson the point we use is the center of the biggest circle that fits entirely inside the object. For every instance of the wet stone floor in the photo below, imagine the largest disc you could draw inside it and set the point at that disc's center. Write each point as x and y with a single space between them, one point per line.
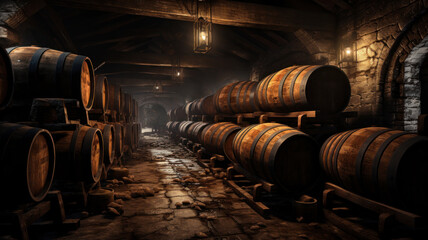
187 203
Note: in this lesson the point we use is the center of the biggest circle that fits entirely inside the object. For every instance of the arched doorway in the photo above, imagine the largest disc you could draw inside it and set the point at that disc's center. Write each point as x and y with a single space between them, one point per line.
415 85
153 115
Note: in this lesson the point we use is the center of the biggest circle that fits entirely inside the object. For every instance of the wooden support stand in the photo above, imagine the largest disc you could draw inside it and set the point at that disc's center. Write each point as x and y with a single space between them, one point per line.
238 178
17 221
388 217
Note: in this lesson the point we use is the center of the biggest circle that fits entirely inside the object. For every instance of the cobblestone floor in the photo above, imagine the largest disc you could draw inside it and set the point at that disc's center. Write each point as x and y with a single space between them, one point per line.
159 163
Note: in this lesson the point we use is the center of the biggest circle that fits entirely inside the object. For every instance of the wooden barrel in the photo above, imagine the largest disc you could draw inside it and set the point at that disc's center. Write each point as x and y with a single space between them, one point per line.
182 129
168 125
80 154
382 163
127 108
134 110
109 142
205 106
6 79
300 88
189 108
195 130
43 72
27 163
279 154
179 114
237 97
115 97
136 131
119 134
101 99
218 137
174 129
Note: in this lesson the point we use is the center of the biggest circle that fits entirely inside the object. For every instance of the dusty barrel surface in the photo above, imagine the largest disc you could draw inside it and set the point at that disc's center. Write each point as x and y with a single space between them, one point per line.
279 154
205 106
80 154
127 105
218 138
190 108
300 88
28 162
237 97
136 131
43 72
6 79
385 164
101 99
195 130
109 142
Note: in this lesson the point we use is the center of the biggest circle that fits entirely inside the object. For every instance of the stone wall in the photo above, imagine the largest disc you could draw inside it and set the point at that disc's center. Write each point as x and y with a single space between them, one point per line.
386 31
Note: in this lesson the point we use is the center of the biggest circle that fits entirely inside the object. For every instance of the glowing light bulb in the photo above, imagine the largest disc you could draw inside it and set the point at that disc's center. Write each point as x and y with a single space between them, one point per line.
348 51
203 36
178 73
157 87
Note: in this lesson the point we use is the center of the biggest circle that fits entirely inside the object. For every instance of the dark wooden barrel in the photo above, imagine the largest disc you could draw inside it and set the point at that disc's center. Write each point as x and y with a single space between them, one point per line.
174 129
300 88
237 97
190 108
218 137
179 114
127 108
101 99
182 129
115 97
80 154
133 110
27 163
279 154
109 142
195 130
136 131
43 72
168 125
119 134
382 163
205 106
6 79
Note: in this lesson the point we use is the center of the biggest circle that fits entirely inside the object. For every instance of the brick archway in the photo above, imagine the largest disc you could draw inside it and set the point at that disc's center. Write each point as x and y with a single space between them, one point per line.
414 71
392 84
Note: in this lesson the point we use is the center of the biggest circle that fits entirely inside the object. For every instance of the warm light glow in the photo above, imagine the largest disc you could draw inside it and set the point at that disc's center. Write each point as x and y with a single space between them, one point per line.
348 51
157 87
178 73
203 36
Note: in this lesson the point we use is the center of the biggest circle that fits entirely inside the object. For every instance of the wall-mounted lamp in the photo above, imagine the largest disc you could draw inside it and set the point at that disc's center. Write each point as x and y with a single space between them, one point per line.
347 53
177 70
202 27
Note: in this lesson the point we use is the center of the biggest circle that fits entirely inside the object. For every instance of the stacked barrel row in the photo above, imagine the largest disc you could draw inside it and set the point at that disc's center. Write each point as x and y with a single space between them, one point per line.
37 153
119 109
296 88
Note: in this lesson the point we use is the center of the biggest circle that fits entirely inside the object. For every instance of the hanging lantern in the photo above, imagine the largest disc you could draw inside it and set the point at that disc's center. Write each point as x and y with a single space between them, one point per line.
177 70
157 87
202 27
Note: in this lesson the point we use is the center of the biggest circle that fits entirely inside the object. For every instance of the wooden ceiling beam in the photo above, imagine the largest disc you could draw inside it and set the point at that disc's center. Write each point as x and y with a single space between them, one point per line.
186 61
20 13
117 69
232 13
